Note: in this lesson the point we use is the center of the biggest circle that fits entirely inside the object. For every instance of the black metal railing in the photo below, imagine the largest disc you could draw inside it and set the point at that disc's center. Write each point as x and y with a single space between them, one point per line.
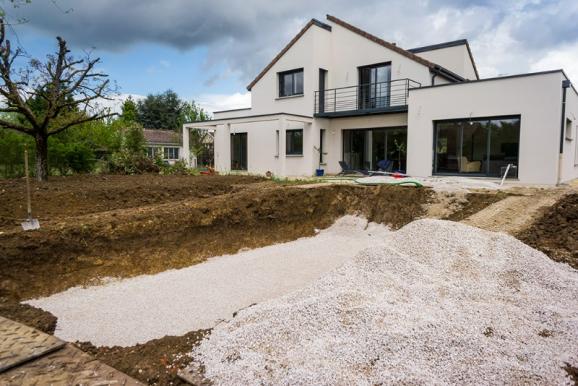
365 97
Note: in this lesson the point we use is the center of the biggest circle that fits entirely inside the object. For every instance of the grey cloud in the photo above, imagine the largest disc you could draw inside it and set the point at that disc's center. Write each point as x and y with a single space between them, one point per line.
245 35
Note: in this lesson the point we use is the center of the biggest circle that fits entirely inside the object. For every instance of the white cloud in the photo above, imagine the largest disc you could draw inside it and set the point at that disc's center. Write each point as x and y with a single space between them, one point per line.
564 57
116 101
217 102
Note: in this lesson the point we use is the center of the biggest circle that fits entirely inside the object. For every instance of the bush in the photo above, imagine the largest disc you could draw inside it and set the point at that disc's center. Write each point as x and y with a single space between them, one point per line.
178 168
70 157
125 162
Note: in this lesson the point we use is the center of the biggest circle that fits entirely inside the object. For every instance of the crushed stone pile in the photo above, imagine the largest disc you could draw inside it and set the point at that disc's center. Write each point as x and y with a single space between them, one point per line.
438 302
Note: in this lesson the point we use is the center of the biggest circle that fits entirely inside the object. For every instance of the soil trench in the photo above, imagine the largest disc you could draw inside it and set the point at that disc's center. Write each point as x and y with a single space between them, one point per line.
95 227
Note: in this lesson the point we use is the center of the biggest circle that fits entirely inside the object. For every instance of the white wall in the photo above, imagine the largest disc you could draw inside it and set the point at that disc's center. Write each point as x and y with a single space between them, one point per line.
536 98
570 155
340 52
456 59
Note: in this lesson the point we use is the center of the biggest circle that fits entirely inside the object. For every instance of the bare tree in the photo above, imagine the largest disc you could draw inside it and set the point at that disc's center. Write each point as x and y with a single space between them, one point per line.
66 88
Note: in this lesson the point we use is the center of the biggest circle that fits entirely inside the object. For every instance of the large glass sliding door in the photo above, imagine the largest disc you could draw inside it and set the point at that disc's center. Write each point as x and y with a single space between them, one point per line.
365 148
476 146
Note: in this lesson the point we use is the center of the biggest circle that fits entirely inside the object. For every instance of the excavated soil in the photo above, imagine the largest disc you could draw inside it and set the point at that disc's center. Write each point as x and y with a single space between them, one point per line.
155 362
62 197
29 315
473 203
556 232
80 250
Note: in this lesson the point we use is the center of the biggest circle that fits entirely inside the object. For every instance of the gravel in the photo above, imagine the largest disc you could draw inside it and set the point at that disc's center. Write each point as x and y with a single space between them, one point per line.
174 302
436 303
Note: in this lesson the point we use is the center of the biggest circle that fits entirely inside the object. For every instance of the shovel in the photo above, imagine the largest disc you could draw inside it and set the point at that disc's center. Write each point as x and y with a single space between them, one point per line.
30 223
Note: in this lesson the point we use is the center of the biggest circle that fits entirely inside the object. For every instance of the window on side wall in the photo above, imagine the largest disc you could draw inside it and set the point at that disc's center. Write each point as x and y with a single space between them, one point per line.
171 153
291 83
569 134
294 142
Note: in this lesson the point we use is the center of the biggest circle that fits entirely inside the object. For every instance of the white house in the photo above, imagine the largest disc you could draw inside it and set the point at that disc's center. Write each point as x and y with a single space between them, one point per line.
164 143
337 93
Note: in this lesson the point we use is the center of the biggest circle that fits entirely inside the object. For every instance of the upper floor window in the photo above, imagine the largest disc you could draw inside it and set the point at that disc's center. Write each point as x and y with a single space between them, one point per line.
291 83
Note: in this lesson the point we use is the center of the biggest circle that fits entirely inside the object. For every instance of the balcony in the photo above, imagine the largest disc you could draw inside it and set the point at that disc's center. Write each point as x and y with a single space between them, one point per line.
364 99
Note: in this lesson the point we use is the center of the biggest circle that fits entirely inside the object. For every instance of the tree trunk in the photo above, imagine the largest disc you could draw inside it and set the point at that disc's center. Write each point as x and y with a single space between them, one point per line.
41 157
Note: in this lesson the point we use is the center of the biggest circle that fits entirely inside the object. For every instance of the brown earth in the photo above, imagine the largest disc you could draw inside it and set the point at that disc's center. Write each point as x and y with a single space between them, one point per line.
155 362
31 316
63 197
556 232
474 202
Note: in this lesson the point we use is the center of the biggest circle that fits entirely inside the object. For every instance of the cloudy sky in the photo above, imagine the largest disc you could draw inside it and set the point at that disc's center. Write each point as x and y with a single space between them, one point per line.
210 50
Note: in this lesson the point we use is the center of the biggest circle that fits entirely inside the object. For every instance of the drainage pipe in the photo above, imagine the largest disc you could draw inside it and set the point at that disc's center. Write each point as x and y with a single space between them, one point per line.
565 85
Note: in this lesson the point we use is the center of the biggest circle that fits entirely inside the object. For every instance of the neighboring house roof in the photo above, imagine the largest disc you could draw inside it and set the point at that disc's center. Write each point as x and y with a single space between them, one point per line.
162 137
453 43
314 22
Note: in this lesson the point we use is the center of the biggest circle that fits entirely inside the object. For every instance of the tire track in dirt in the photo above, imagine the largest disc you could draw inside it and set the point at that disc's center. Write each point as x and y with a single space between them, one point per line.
516 213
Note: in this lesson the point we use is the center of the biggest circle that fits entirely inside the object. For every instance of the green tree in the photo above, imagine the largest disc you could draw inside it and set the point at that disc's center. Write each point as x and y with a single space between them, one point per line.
160 111
191 112
129 110
50 97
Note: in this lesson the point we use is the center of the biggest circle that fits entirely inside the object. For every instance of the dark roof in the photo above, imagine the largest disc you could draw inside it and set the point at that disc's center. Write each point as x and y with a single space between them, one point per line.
311 22
162 137
454 43
439 46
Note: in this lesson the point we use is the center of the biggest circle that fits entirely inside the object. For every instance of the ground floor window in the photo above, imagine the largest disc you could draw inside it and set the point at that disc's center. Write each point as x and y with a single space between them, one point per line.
294 142
477 146
152 151
171 153
374 149
239 151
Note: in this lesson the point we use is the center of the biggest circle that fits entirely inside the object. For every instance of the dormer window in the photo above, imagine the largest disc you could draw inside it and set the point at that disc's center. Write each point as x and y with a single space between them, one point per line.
291 83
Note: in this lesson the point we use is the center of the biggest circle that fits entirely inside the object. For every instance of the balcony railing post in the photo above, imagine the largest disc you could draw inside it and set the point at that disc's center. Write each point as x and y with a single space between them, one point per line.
335 100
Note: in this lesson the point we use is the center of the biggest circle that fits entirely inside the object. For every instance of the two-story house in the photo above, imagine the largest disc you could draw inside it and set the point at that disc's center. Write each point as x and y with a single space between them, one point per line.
337 93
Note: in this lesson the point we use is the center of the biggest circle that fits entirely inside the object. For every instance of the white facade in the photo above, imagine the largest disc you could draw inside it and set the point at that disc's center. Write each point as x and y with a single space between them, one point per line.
436 83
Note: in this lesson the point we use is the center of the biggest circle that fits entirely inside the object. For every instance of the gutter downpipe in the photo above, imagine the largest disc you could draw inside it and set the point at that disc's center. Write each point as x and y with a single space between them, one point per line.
565 85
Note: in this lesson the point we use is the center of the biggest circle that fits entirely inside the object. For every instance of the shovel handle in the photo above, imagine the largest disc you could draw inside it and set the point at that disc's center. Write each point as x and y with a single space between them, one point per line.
28 203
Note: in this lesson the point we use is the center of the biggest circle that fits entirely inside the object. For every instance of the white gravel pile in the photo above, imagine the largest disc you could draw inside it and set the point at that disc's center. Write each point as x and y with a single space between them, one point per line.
174 302
440 303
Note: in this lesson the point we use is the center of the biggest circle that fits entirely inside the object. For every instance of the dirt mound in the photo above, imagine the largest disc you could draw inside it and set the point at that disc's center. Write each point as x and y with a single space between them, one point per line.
440 302
62 197
556 232
155 362
127 242
29 315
